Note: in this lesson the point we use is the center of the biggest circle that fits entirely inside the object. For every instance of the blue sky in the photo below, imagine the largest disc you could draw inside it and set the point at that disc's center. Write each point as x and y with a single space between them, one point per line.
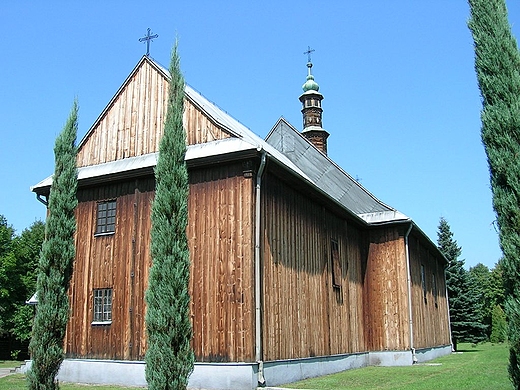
401 98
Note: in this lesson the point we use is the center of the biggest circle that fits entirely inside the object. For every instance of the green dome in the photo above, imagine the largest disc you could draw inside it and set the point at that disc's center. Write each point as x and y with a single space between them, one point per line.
310 84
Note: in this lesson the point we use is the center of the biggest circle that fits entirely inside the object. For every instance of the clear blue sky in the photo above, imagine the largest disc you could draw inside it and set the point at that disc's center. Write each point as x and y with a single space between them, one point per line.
401 98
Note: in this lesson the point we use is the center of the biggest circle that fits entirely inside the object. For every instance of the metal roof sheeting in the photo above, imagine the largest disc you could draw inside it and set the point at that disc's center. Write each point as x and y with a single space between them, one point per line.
283 144
329 177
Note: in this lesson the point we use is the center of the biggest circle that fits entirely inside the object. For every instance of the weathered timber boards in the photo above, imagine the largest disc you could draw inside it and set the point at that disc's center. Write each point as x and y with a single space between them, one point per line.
430 316
303 315
134 122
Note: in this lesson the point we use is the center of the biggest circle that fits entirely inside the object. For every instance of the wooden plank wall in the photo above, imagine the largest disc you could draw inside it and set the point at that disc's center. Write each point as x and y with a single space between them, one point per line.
430 318
303 314
134 123
220 235
386 292
108 262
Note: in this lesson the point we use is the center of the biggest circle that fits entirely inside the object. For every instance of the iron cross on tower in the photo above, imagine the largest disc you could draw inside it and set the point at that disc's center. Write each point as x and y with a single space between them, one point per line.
308 52
147 39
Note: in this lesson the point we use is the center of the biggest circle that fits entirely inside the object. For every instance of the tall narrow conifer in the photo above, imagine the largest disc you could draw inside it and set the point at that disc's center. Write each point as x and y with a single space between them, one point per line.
56 262
465 319
169 357
497 64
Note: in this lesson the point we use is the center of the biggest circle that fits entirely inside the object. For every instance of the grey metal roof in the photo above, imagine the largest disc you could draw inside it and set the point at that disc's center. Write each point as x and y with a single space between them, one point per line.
283 144
330 177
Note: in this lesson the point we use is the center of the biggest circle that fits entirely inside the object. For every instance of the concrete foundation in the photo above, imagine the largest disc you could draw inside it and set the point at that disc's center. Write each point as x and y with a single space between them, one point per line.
238 375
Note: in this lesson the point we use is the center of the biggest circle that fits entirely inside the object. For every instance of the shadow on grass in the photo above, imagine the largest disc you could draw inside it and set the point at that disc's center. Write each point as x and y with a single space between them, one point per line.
468 350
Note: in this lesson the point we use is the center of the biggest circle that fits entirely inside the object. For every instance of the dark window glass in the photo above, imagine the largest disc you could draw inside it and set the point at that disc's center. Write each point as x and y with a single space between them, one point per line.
103 305
106 217
336 264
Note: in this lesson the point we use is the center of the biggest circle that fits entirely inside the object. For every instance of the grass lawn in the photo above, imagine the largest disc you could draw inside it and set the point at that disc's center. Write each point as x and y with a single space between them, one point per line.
10 363
17 382
483 367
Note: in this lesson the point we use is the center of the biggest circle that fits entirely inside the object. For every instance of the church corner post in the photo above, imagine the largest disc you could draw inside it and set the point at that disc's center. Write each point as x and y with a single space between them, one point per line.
169 357
497 61
56 263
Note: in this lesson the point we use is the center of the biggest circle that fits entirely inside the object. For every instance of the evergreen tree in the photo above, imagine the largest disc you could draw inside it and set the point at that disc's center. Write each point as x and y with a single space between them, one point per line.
466 324
7 264
56 262
169 358
497 64
499 325
480 279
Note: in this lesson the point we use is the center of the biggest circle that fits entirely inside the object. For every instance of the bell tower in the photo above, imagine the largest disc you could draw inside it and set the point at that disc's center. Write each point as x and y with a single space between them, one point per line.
312 112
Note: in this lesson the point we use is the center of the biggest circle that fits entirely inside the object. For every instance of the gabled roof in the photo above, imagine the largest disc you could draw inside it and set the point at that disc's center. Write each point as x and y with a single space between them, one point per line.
330 177
284 144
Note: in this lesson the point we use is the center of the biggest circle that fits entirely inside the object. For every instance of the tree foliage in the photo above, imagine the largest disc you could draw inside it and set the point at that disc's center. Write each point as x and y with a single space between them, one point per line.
499 325
497 64
465 318
18 268
169 358
55 265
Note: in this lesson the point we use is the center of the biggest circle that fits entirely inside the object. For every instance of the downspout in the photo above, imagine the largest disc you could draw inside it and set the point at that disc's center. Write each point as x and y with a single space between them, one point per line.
409 280
41 200
448 307
258 274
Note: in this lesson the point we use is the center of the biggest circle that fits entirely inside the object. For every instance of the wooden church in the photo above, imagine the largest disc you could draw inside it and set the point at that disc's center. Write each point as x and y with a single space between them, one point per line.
296 269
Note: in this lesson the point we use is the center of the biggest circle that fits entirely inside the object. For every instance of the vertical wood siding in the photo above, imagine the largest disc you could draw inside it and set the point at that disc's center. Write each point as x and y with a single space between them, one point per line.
386 292
134 122
220 240
431 326
119 261
303 314
220 235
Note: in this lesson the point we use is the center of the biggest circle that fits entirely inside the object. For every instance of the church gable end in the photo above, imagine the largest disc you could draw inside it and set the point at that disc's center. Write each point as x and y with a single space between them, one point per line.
132 123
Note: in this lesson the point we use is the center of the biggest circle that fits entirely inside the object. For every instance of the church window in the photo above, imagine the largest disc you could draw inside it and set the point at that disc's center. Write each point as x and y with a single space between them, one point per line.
434 289
102 306
336 264
106 217
423 282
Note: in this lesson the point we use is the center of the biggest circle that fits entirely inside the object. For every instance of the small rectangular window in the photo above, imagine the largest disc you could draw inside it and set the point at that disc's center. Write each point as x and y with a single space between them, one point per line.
102 306
434 289
423 282
106 217
336 264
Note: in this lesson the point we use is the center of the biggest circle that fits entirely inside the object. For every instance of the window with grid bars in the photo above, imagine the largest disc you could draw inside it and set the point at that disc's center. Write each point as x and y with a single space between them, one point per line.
102 306
336 264
423 283
106 217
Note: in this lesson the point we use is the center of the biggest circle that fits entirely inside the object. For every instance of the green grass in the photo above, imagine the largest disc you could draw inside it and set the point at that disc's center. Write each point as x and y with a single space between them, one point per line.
17 382
482 367
10 363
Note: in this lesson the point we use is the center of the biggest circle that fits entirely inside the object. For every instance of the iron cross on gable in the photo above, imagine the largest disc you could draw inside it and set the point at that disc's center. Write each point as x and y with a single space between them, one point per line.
147 39
308 52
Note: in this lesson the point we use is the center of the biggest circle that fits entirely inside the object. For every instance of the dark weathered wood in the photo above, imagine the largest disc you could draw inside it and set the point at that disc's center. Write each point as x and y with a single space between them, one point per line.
303 314
431 326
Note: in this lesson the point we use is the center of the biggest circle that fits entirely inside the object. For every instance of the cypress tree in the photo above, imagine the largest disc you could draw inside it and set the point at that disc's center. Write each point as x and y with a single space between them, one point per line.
169 357
497 64
465 320
56 262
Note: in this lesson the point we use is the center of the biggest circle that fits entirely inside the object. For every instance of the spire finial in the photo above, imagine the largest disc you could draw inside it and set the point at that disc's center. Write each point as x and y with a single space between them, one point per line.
147 38
310 84
308 52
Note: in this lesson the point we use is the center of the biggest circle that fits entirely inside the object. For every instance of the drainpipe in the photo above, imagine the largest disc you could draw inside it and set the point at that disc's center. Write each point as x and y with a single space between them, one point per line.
409 279
448 307
258 274
41 200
